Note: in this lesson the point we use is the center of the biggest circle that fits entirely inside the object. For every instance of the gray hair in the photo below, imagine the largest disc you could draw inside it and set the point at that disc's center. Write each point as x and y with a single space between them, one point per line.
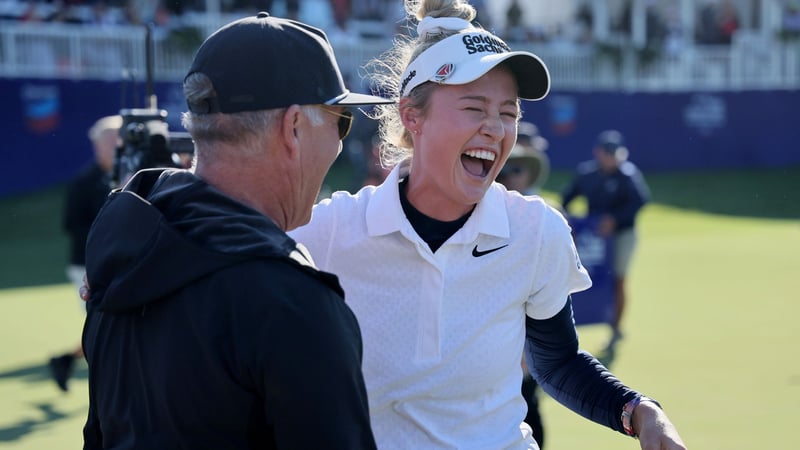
104 124
247 129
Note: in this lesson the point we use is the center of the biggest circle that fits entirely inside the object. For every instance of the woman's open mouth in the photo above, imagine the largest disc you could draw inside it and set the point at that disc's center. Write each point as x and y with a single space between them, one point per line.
478 162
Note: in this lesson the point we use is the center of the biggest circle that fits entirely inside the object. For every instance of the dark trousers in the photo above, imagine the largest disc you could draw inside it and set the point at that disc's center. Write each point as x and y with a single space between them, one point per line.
529 388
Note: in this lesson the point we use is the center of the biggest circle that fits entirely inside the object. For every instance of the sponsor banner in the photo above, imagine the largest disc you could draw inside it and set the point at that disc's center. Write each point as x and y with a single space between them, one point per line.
44 123
673 131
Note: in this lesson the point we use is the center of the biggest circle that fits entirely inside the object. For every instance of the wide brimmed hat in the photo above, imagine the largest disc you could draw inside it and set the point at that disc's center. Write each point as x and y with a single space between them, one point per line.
535 159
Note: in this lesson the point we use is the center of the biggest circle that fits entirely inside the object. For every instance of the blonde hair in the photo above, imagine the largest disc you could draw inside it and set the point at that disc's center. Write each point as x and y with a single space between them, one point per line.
387 69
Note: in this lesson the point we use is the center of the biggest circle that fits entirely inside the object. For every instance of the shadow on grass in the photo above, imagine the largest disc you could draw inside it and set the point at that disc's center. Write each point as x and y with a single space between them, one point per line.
41 373
49 413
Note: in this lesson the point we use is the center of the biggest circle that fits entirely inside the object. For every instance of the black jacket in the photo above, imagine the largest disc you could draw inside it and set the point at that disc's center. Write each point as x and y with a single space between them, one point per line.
208 327
621 193
85 195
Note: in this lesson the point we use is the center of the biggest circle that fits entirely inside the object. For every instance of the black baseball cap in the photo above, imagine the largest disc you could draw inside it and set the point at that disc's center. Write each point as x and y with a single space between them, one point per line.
265 62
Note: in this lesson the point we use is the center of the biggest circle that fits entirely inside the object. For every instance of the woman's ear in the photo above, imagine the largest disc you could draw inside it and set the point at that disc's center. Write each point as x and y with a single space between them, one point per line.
409 115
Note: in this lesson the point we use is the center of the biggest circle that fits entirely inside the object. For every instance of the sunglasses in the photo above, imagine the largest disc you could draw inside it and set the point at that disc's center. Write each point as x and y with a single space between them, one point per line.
345 122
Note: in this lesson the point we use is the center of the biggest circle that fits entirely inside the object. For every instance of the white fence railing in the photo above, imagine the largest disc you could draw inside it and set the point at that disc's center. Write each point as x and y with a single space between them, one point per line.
81 52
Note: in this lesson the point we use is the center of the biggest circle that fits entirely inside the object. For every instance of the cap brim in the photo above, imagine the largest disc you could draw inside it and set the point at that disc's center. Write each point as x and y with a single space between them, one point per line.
533 78
532 75
356 99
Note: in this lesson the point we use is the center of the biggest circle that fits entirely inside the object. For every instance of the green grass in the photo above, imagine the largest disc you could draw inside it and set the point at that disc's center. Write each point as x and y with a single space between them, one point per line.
32 243
710 331
37 323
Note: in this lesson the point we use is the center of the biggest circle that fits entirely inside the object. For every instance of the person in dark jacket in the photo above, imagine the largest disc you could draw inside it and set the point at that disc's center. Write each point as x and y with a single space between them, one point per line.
207 326
615 191
85 195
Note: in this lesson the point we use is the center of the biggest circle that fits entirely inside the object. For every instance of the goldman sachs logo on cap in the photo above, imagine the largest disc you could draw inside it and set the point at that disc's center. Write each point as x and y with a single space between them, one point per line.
407 79
484 43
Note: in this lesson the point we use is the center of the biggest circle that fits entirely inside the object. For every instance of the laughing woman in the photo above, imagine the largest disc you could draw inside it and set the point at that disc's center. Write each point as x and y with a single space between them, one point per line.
450 275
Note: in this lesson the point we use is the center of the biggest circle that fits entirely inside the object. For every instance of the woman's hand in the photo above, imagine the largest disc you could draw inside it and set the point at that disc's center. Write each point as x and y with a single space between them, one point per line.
654 428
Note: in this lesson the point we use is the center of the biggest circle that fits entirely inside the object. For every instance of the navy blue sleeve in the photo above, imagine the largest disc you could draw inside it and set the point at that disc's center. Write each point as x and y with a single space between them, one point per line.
573 377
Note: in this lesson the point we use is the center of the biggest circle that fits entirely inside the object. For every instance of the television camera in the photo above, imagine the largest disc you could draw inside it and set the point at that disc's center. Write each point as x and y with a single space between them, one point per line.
146 139
147 142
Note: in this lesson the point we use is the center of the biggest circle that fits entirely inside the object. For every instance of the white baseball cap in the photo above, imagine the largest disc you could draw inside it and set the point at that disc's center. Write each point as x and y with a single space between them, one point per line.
466 56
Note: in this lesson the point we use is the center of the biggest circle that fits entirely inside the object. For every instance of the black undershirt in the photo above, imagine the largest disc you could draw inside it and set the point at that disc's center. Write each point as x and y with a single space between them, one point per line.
433 232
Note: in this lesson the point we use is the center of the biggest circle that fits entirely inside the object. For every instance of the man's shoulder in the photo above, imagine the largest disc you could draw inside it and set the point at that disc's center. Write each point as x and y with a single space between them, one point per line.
629 169
282 277
587 168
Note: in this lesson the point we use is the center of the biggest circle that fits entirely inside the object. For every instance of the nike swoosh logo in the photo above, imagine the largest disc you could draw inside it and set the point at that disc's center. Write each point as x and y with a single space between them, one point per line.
478 253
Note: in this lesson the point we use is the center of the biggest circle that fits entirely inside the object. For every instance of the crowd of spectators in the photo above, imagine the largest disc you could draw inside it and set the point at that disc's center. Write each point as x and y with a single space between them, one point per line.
717 23
347 21
93 12
160 12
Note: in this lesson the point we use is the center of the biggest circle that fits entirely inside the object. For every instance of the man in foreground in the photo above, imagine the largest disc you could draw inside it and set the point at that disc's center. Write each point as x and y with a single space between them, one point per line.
207 326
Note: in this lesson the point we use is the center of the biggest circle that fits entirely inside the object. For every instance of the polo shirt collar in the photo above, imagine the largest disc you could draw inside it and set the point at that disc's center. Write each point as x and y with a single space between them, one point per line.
490 216
385 214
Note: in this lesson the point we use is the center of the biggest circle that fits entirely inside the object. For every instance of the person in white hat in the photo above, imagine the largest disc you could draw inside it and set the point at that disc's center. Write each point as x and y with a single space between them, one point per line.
449 274
528 166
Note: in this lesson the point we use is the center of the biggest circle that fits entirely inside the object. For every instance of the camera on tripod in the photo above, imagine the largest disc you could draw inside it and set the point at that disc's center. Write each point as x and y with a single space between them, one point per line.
147 142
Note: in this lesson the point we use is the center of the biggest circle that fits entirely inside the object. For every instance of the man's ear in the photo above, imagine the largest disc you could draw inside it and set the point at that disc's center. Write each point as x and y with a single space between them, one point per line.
290 129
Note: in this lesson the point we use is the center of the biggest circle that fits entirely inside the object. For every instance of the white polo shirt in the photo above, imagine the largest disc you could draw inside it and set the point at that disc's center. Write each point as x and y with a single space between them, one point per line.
443 332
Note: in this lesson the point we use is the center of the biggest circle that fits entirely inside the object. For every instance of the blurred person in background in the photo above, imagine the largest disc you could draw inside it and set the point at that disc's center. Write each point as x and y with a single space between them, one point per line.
374 173
615 191
528 166
85 195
